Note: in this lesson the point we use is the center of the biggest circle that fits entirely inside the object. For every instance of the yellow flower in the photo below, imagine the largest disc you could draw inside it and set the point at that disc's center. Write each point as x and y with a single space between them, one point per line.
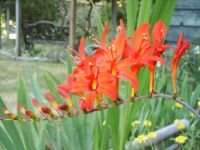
179 124
151 135
136 122
147 123
119 3
177 121
104 123
178 105
181 139
192 114
141 139
198 103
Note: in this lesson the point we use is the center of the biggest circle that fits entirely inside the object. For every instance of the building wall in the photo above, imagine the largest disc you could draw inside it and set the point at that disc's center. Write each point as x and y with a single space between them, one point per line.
186 18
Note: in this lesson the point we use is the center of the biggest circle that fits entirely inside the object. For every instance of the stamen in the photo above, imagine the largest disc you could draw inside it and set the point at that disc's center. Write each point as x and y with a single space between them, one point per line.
71 49
144 36
94 84
93 38
114 72
118 29
113 47
90 63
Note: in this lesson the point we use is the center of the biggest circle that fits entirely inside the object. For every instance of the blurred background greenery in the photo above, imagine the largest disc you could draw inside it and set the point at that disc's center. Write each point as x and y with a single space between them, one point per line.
49 38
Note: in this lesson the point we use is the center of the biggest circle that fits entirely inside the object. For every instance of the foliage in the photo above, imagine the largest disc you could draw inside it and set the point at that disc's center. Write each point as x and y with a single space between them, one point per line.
192 63
105 129
84 131
33 10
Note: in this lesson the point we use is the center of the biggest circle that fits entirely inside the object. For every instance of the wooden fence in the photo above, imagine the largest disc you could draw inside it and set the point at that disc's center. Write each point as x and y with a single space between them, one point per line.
186 18
161 135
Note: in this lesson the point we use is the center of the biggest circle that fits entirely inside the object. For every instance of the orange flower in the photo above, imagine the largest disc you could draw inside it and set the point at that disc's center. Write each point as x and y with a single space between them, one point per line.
82 104
112 57
51 99
99 74
66 96
181 47
45 111
26 113
89 80
141 50
158 35
9 114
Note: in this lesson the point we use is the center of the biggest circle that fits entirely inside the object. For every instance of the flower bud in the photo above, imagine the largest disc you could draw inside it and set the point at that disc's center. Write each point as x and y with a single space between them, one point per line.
46 110
51 99
82 104
29 114
63 107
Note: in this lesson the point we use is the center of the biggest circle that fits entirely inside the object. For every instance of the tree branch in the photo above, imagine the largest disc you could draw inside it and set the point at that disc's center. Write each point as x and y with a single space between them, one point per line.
161 134
157 95
119 101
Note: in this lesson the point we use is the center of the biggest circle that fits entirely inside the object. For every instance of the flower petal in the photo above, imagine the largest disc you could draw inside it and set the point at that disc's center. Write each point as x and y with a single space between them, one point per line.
90 100
155 58
141 38
81 49
128 75
103 37
159 32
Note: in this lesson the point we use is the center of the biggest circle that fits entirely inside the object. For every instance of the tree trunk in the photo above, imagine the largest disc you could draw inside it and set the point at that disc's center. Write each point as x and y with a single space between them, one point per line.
0 24
18 28
8 18
114 17
72 27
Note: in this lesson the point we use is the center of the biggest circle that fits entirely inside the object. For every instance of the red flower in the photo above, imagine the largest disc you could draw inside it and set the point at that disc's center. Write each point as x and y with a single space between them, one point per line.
51 99
87 80
82 104
9 114
111 57
99 74
45 111
26 113
141 50
64 94
158 35
181 47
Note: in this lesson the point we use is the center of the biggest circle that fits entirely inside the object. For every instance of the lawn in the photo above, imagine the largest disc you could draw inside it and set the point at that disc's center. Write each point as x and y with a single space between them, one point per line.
12 70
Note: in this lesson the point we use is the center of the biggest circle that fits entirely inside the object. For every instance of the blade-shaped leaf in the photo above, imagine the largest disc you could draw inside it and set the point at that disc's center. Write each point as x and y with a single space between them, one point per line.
12 129
26 127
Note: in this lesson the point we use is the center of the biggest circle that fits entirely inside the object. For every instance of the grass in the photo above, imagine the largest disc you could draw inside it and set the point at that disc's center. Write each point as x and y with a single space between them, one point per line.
11 71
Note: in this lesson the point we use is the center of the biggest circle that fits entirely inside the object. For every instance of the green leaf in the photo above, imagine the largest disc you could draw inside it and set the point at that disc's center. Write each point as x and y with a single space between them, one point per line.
37 92
113 117
144 12
69 63
161 83
104 137
184 88
26 127
99 26
163 10
54 78
43 133
52 87
96 134
131 11
12 129
195 95
5 140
